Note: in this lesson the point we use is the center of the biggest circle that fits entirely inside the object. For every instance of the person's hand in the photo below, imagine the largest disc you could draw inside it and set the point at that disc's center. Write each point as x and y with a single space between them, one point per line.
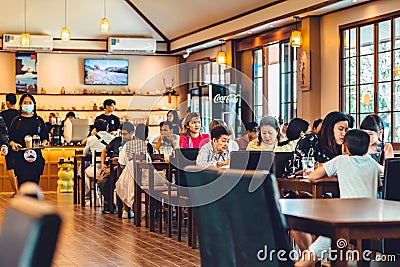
223 163
106 170
45 143
93 132
15 146
4 150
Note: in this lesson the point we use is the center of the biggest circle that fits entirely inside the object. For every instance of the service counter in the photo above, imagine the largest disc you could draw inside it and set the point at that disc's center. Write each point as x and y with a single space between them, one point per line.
48 180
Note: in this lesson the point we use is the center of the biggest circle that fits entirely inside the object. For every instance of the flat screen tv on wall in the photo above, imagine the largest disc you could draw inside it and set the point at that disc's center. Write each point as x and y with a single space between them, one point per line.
106 71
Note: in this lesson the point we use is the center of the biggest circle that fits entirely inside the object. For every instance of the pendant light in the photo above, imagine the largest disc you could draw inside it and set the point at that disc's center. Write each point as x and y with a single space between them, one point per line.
65 31
105 23
25 38
221 56
296 40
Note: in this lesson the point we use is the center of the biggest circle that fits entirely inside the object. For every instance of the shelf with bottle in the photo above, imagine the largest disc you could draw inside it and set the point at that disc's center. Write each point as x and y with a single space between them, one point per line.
147 94
102 110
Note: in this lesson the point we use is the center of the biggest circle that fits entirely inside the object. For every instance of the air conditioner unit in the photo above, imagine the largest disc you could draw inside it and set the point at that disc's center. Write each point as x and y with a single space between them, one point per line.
37 42
131 45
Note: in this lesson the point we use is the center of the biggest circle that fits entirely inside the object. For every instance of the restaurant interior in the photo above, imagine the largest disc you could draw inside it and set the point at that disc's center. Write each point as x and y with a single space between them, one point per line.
198 196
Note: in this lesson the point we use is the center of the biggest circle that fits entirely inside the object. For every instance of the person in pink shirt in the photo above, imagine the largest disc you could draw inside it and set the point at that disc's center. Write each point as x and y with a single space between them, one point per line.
191 136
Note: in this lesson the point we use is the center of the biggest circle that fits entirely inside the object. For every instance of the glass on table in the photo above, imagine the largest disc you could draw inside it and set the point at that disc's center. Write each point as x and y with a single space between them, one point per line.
308 165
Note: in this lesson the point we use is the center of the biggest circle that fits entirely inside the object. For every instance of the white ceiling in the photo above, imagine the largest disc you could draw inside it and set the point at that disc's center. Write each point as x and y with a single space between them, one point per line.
169 18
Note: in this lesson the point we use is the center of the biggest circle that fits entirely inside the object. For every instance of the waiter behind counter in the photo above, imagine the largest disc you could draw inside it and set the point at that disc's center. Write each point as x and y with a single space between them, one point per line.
65 128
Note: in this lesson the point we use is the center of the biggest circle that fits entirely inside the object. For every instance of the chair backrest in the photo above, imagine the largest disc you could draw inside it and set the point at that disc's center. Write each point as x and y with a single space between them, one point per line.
391 186
281 159
29 233
183 157
391 191
157 157
234 228
251 160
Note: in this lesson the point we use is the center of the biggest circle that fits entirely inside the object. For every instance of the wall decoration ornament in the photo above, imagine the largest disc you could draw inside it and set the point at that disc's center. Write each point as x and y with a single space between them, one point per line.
304 71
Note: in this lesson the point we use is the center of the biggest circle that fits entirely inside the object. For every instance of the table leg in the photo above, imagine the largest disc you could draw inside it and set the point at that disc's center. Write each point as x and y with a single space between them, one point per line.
83 183
75 181
340 244
151 199
137 205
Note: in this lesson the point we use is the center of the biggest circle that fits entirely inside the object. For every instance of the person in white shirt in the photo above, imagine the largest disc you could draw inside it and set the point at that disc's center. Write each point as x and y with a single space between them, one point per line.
358 176
216 152
233 145
96 143
67 126
166 142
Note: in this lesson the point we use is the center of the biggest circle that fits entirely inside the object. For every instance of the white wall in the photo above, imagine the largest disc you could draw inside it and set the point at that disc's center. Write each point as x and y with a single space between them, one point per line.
66 70
330 46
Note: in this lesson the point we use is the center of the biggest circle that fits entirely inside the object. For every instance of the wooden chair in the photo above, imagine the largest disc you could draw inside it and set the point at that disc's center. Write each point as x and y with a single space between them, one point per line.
241 222
115 172
183 157
96 159
78 157
29 233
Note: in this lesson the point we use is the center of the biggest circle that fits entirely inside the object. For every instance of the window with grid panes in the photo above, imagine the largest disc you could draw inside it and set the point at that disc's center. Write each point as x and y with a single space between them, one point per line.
258 85
370 79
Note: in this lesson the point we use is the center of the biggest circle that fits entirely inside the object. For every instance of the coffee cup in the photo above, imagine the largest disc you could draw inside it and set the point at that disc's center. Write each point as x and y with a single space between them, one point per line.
308 166
28 141
36 141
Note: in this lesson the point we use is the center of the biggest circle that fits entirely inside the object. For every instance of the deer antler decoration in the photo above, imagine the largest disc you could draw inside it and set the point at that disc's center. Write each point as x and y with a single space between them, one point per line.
169 88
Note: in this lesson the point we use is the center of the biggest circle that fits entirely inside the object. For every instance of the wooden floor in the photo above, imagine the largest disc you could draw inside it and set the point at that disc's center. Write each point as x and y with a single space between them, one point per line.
90 238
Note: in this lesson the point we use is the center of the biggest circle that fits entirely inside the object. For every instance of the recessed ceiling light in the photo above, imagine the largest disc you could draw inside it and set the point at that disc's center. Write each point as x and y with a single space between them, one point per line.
249 32
354 1
271 26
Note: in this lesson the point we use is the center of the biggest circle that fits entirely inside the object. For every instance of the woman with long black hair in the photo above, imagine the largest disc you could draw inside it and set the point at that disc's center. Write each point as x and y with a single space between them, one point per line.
322 147
28 163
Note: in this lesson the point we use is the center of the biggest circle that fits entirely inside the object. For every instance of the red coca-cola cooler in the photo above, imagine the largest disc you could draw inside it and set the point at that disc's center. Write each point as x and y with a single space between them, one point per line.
216 101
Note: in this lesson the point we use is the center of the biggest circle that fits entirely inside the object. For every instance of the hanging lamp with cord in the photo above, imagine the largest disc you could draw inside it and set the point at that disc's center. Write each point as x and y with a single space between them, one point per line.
65 31
221 55
104 22
296 40
25 40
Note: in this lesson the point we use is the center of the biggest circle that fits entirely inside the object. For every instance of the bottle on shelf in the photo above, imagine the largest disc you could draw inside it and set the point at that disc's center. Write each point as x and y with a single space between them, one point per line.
94 106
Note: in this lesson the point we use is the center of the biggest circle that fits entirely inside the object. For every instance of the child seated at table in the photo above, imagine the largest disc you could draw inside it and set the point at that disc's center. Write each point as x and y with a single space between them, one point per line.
358 176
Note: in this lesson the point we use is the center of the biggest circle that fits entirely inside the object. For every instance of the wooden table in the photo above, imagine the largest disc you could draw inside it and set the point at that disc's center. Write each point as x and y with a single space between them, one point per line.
317 189
151 166
344 219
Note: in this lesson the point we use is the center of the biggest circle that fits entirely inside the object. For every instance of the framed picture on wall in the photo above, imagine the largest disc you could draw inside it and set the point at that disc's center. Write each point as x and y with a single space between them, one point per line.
304 71
26 73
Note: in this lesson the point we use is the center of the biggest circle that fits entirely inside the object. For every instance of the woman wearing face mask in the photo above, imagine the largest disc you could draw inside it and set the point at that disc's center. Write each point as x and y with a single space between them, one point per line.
322 147
28 163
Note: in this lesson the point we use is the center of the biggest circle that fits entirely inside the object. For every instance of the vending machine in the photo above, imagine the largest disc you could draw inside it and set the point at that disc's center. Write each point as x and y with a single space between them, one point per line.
215 101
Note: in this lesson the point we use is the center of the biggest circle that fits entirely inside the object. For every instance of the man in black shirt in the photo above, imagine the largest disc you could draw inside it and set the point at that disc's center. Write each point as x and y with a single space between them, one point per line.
113 121
112 151
11 112
8 115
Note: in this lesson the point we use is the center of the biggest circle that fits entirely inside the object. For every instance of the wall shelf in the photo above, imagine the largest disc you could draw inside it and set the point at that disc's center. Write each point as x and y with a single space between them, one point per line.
149 95
99 110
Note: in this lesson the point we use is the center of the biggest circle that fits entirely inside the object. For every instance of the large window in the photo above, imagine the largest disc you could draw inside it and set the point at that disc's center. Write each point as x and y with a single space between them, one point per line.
280 81
258 85
205 73
288 92
370 79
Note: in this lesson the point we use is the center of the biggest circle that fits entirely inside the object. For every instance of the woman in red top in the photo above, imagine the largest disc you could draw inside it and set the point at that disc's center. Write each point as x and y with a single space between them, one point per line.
191 136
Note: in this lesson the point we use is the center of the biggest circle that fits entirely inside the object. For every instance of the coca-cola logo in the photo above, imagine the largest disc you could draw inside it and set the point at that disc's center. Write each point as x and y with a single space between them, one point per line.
231 98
